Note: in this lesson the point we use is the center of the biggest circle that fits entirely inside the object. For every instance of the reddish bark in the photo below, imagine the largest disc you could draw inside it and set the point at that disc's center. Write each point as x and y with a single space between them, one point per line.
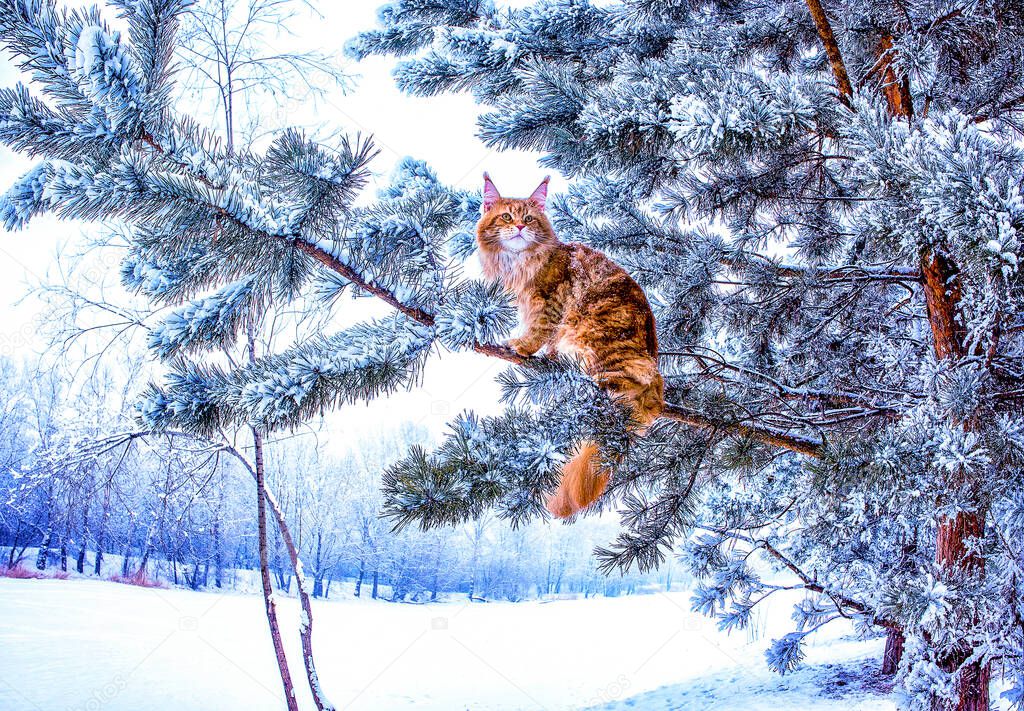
894 642
942 299
942 295
268 591
828 41
895 87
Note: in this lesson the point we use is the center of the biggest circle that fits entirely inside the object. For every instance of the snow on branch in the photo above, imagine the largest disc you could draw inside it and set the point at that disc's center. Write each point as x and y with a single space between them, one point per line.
211 321
284 390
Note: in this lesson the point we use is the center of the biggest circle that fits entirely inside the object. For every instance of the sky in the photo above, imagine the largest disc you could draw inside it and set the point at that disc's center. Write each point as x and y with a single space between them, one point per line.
440 130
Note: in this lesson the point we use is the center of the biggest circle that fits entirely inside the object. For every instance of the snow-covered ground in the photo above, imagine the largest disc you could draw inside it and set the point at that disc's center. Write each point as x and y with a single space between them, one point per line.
80 644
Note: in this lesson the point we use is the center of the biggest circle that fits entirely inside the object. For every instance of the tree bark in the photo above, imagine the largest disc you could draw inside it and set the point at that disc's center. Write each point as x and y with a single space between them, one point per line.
952 554
306 626
64 543
942 300
80 561
101 534
828 41
44 550
126 558
268 591
218 553
894 642
14 545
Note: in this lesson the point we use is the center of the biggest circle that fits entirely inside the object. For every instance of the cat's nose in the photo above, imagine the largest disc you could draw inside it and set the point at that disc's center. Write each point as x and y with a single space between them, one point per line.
520 227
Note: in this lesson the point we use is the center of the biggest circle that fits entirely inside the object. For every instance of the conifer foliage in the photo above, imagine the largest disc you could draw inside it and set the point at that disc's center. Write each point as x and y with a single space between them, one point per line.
823 203
222 234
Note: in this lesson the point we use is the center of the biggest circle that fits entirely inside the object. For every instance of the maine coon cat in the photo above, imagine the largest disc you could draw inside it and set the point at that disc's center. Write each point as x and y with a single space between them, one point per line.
573 300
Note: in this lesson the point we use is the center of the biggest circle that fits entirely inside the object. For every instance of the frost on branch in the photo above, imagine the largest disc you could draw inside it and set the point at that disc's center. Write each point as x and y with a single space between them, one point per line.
283 390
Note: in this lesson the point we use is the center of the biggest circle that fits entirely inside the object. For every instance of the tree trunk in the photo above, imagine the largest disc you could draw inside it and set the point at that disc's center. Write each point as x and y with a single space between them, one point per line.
373 592
359 578
14 545
218 554
942 296
306 625
101 534
893 652
268 591
952 555
942 299
44 550
144 562
80 561
64 543
194 583
437 571
318 574
127 558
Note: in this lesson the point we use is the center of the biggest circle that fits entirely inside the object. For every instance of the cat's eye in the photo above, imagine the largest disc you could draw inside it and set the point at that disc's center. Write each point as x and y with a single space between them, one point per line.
528 219
507 217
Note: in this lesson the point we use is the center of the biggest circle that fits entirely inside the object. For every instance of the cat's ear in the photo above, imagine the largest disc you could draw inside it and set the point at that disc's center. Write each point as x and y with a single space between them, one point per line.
540 195
491 195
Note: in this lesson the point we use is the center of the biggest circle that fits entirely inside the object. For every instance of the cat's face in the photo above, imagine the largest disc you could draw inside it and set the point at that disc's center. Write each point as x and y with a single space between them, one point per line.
514 226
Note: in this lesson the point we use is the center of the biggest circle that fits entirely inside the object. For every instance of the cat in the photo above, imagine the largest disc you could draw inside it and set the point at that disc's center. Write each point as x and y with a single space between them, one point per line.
575 301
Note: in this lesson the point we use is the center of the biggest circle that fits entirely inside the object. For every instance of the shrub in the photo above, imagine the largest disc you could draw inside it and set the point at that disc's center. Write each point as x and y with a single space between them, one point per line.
139 579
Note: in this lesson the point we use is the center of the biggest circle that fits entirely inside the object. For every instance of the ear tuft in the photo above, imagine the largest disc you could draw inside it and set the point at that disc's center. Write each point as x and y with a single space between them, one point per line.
491 195
540 196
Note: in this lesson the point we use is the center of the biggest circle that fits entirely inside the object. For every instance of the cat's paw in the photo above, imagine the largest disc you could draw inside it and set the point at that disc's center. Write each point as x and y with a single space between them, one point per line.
521 346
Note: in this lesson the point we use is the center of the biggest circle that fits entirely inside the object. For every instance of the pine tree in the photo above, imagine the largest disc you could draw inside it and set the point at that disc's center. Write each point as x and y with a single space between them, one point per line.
820 201
221 235
823 204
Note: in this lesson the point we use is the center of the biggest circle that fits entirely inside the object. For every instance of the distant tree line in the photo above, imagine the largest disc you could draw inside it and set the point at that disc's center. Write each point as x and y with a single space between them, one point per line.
176 509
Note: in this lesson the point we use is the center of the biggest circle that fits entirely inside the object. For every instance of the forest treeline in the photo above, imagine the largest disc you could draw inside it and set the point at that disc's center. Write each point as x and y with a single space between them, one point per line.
174 509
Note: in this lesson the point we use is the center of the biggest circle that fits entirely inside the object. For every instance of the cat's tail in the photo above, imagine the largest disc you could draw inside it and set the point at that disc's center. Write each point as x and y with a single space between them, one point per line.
583 481
585 476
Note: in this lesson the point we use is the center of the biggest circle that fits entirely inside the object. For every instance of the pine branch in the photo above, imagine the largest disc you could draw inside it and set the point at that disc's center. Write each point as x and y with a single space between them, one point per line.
333 263
808 582
835 57
845 273
835 399
770 436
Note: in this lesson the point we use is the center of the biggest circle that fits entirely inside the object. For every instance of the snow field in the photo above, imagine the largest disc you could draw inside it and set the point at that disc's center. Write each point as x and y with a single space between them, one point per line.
82 644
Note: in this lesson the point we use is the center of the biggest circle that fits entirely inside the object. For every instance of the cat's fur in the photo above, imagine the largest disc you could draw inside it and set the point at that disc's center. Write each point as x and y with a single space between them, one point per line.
573 300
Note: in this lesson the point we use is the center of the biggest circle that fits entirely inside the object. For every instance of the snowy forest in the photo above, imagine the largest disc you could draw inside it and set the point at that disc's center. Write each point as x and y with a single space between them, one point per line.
178 512
821 201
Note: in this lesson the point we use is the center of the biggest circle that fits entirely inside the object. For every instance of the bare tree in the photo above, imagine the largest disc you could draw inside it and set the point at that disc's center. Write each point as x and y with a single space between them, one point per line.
230 50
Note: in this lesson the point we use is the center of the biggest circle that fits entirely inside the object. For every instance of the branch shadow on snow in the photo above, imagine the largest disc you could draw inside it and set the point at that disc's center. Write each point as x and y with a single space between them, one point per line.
852 685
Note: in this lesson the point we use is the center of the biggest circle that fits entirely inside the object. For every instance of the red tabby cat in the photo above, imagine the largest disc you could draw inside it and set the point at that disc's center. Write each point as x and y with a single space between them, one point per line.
573 300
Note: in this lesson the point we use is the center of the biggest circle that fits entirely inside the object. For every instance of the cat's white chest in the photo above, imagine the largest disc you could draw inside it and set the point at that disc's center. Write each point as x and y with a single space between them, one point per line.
509 263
